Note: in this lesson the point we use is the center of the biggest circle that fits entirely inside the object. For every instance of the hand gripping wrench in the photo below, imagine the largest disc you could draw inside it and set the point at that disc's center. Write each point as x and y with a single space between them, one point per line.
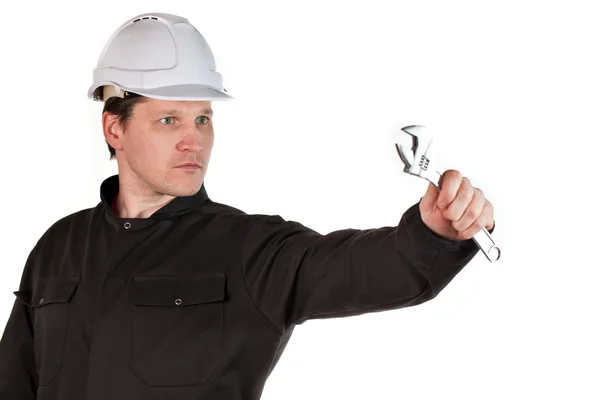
417 162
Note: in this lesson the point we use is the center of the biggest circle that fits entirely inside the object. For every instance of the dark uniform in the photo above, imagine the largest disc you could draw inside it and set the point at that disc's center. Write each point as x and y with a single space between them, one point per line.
199 300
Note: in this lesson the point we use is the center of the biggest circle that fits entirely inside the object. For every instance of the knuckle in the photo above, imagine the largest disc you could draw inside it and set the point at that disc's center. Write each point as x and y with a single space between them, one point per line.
455 173
465 194
471 213
455 216
452 175
451 215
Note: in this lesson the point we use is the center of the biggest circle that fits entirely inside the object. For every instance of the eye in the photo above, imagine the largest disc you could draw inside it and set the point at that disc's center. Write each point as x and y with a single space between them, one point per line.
167 120
203 120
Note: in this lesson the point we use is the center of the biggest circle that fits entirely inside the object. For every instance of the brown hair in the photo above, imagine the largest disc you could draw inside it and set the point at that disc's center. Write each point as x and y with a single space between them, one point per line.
123 109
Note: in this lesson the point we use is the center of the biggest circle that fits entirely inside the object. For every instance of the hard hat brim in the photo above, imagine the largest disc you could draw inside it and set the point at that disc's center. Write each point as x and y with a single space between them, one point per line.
189 92
185 92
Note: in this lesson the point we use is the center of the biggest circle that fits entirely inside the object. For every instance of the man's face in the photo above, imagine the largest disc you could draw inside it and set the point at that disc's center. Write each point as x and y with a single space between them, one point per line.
160 137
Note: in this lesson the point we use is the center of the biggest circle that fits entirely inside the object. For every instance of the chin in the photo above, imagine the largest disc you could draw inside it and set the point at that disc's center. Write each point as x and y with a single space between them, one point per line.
183 189
182 186
184 192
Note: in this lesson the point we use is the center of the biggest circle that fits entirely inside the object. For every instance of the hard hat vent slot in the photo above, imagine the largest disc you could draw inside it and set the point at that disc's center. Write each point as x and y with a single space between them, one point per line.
139 19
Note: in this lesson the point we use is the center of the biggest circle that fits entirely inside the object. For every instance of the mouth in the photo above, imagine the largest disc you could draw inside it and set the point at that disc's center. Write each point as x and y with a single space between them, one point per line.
189 166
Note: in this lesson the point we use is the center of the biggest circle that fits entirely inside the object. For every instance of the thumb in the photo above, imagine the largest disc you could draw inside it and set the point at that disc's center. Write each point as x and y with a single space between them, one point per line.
428 201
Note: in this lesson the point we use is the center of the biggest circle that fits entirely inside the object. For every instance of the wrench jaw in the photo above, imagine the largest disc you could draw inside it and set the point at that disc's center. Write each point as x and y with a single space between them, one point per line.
407 156
415 159
422 141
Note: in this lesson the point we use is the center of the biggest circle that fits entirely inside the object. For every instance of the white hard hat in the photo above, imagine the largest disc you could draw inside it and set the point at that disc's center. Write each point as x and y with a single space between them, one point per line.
161 56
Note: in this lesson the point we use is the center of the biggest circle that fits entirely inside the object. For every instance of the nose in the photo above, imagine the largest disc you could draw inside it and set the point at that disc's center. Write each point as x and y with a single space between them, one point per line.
190 142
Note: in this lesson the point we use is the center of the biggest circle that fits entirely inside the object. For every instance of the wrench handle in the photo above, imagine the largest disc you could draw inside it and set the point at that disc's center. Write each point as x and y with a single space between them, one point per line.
487 245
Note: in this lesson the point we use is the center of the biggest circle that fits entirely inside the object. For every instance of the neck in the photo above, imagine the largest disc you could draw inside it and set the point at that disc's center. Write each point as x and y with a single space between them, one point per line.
128 206
136 199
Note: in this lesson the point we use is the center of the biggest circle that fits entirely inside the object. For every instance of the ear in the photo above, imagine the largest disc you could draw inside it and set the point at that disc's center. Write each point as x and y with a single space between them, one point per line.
113 133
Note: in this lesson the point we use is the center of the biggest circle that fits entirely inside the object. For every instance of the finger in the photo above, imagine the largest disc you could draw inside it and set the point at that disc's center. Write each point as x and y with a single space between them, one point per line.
488 214
450 183
460 203
472 213
485 219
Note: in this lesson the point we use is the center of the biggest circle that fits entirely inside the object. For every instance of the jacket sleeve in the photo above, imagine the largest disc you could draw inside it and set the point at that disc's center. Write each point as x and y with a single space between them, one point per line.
295 274
18 376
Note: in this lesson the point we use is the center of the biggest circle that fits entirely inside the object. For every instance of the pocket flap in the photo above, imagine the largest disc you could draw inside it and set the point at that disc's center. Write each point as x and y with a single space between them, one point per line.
53 290
24 296
178 290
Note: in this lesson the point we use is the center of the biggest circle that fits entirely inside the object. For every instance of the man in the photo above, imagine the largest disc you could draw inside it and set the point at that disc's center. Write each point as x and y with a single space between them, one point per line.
159 292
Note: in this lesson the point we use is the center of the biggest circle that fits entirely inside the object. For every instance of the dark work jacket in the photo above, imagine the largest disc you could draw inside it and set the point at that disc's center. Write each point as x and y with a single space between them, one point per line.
199 300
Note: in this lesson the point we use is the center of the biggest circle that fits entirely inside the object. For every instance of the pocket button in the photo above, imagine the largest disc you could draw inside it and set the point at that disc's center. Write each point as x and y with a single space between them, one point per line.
178 301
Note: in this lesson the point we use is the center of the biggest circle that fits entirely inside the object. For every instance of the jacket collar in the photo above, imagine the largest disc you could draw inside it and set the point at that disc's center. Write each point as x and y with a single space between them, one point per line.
180 205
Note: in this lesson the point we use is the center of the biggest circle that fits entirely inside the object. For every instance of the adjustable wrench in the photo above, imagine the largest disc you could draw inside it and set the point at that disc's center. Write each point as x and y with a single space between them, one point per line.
417 162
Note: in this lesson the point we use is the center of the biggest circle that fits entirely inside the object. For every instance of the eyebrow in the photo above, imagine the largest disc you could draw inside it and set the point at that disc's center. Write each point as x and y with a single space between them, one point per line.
206 111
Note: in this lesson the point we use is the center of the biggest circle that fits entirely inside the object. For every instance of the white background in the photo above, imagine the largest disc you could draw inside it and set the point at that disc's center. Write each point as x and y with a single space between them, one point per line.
510 91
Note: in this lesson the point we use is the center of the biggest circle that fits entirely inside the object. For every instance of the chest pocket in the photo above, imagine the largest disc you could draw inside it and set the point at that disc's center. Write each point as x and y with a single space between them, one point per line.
49 301
177 328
